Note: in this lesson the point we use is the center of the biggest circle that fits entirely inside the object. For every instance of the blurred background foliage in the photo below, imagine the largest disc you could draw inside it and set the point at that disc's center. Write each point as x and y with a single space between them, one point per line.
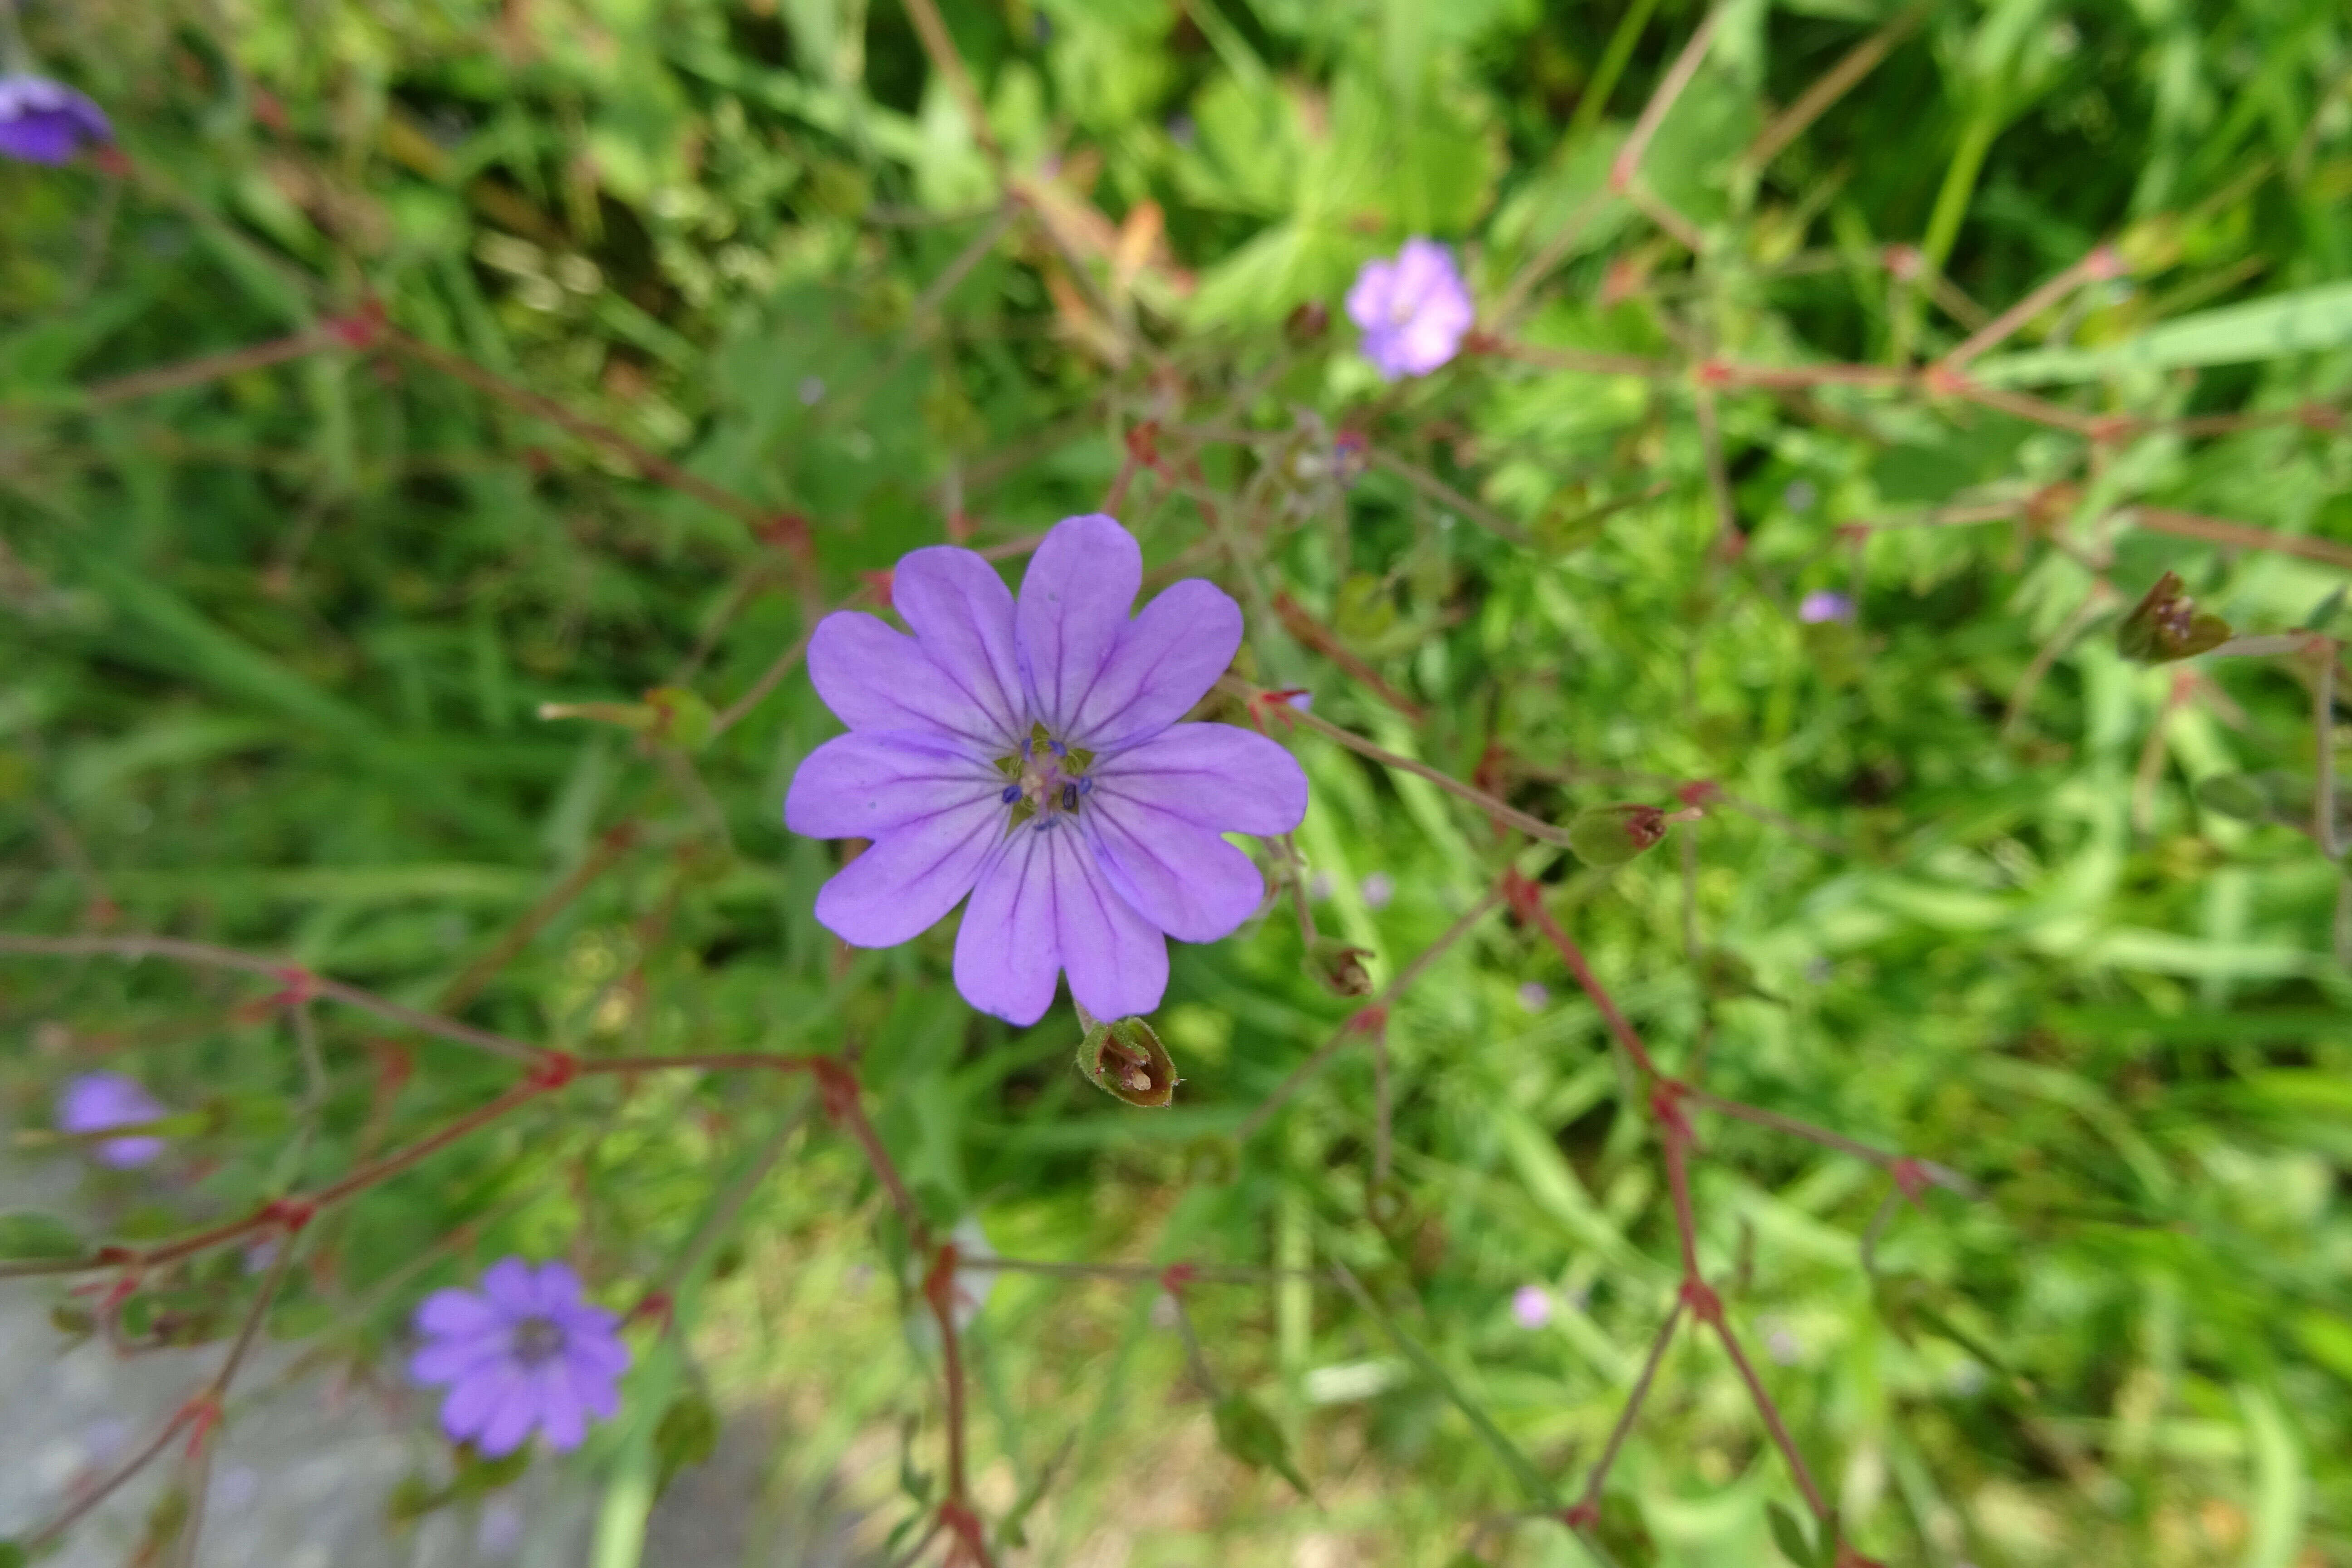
275 643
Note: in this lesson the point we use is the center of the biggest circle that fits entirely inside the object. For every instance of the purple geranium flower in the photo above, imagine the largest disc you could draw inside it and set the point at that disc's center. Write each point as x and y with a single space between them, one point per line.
98 1101
1027 753
524 1350
1415 310
44 122
1824 604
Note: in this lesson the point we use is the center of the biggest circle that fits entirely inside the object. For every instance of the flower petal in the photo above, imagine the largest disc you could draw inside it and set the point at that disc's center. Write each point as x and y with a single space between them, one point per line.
512 1288
1218 776
876 679
1073 607
962 613
562 1415
593 1350
1165 660
909 880
472 1402
456 1360
458 1314
1369 296
558 1287
1182 878
862 785
1006 954
512 1417
1116 959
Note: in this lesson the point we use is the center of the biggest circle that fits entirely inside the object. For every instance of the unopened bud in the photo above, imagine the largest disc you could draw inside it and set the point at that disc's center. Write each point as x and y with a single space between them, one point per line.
1125 1059
1338 968
1307 322
681 716
2166 625
1607 835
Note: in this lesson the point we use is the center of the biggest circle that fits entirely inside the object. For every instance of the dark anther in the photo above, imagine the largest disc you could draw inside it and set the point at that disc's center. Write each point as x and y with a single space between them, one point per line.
1069 797
1012 793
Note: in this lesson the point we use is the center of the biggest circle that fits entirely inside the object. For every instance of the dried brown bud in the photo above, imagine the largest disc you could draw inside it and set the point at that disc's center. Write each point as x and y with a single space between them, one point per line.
2165 626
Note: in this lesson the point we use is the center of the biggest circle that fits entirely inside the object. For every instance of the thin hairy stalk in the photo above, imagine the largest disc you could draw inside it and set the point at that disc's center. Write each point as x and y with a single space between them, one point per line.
206 368
1833 84
651 465
2094 605
1678 76
1322 640
1941 1175
1445 495
1770 1412
610 848
1589 1504
2323 725
1370 1014
1510 816
2238 535
2098 265
299 982
1527 900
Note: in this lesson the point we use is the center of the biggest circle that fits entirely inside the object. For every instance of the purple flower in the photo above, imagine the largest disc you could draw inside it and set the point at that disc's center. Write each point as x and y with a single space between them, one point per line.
1414 309
1531 1306
43 121
98 1101
1534 995
524 1350
1027 753
1377 888
1823 605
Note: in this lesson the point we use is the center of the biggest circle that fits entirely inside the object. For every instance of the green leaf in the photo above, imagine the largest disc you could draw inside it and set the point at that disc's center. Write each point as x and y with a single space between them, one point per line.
686 1436
1790 1535
2304 321
1247 1433
27 1237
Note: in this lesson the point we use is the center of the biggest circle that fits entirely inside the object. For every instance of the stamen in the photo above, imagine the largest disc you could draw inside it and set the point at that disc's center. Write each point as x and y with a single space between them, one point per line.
1012 793
1069 797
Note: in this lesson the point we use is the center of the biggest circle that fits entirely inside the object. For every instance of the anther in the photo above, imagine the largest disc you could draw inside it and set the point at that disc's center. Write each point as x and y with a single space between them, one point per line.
1012 793
1069 797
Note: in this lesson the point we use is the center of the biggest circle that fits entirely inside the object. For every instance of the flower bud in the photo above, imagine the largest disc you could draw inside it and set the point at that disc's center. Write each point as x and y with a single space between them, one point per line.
2165 626
1125 1059
1608 835
1338 968
681 716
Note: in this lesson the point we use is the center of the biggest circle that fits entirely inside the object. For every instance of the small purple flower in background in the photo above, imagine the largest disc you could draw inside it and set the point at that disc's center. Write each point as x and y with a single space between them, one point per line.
1378 889
524 1351
1415 310
44 122
1799 495
1783 1346
98 1101
1028 753
812 391
1534 995
1823 605
1531 1306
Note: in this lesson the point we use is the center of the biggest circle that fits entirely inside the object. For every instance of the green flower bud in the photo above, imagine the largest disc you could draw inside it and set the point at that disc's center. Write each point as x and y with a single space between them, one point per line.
681 716
1125 1059
1338 968
1608 835
1247 1433
2165 626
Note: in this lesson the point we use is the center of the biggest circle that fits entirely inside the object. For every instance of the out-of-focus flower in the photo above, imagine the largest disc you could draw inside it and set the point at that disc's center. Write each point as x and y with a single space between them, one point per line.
1799 495
1415 310
45 122
98 1101
1377 889
1531 1306
1824 604
1534 995
525 1350
1028 753
812 391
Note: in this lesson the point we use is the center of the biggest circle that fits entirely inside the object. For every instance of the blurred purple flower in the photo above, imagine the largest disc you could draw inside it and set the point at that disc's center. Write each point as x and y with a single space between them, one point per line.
1415 310
1823 605
1377 889
524 1350
1531 1306
1534 995
98 1101
1028 753
44 122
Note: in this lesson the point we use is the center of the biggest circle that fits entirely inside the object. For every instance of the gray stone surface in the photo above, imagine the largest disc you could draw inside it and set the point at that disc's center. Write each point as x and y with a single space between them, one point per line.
300 1475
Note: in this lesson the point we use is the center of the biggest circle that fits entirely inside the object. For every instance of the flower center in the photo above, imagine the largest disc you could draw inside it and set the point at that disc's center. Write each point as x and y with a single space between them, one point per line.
537 1340
1047 780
